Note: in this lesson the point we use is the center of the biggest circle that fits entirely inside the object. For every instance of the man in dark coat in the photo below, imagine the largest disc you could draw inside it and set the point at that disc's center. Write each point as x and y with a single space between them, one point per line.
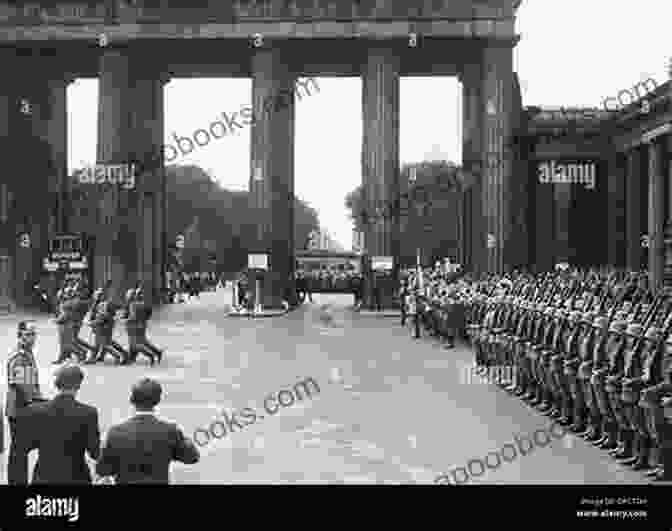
141 449
62 430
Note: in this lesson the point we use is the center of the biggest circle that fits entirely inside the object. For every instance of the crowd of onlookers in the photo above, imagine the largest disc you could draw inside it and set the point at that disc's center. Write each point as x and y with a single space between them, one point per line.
433 299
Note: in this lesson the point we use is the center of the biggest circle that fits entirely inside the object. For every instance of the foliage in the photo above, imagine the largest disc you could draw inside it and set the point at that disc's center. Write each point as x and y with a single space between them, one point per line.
432 180
202 210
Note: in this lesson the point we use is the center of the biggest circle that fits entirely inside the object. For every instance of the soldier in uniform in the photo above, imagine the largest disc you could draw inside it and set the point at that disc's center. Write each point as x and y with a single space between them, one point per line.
103 329
23 388
136 326
66 322
81 308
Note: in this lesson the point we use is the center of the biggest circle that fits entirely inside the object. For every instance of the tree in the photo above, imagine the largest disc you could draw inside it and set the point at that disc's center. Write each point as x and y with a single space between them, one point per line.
223 216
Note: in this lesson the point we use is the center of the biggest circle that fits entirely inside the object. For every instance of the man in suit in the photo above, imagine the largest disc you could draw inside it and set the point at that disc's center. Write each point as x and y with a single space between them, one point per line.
141 449
62 430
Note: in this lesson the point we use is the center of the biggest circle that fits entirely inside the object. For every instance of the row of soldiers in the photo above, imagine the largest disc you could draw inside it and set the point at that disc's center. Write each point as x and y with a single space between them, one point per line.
101 313
592 350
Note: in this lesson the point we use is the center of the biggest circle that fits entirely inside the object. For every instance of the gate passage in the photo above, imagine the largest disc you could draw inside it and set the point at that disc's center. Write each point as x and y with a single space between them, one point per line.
328 271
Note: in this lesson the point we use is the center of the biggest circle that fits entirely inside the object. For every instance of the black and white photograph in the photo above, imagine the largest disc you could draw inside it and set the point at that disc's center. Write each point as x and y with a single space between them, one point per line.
356 243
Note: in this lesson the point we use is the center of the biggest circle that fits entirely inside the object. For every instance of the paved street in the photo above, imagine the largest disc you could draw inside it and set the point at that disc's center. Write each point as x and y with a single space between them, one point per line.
390 409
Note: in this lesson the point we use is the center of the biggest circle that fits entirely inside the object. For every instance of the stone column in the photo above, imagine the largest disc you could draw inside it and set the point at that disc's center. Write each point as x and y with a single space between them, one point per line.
38 109
380 149
617 210
668 211
117 236
272 167
497 156
9 147
634 228
472 119
656 213
147 126
562 195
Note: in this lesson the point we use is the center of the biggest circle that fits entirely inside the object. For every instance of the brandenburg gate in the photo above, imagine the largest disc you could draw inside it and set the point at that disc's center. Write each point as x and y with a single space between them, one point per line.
135 46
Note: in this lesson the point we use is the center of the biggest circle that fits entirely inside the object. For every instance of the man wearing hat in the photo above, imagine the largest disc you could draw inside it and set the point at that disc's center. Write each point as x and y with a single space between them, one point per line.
62 430
141 449
23 388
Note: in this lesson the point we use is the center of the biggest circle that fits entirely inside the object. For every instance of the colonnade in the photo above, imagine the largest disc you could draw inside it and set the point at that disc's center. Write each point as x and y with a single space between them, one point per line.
130 227
640 215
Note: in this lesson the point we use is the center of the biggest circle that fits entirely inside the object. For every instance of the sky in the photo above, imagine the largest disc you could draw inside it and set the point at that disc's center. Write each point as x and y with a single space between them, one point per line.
570 53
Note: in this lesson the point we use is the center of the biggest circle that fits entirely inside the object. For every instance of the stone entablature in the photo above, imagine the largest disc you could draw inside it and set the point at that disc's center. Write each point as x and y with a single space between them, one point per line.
46 11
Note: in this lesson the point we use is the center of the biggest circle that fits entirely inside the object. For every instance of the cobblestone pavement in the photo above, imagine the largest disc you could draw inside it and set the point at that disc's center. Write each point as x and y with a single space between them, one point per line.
390 409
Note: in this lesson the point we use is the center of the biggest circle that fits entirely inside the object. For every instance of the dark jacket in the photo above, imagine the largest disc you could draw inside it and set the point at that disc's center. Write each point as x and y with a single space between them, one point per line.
61 430
141 449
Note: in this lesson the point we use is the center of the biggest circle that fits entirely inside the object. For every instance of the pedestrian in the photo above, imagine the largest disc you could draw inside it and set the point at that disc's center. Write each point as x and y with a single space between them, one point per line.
415 311
23 388
141 449
62 430
403 302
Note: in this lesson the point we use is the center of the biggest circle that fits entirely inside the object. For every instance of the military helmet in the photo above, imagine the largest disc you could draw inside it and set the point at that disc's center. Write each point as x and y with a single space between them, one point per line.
635 329
653 333
589 317
618 326
627 306
601 322
98 292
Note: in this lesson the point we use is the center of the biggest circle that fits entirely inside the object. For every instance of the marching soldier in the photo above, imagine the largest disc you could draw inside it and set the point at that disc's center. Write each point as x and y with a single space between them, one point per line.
136 326
81 308
102 323
66 322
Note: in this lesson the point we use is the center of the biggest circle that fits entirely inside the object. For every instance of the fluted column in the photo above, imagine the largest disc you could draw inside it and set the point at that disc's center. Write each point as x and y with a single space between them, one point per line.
656 220
634 229
380 146
119 243
148 125
474 238
9 146
496 152
272 167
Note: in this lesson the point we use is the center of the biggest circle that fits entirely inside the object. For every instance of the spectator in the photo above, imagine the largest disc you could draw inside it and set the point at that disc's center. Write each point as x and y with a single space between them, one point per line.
62 430
141 449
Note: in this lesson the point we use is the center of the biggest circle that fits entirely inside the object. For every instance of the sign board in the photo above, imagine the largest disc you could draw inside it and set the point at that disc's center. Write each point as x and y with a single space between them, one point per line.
257 261
382 263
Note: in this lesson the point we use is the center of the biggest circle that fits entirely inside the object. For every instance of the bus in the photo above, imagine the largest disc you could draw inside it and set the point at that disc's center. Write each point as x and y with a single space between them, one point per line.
328 271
